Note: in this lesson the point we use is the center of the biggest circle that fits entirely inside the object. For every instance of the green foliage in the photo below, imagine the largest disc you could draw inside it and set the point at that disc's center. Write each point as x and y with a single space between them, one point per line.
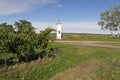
43 72
24 26
6 31
23 42
110 19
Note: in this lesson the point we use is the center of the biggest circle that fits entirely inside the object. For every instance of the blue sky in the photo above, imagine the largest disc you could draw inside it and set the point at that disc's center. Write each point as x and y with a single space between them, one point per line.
77 16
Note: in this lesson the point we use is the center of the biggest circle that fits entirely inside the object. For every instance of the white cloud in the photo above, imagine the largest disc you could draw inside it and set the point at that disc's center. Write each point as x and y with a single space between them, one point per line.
72 27
81 27
42 25
16 6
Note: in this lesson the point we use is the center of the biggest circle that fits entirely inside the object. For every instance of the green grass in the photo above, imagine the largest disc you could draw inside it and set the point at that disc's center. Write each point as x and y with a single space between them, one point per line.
69 57
110 70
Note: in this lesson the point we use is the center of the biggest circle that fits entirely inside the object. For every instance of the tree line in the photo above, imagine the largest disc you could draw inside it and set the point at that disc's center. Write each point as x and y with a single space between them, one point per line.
22 43
110 20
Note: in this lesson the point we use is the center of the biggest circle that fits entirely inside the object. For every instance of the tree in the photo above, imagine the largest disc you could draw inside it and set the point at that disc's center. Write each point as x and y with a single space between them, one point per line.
23 39
23 42
20 43
6 32
42 42
110 19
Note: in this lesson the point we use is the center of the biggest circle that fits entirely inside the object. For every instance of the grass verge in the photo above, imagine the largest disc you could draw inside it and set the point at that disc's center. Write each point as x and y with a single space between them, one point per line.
69 57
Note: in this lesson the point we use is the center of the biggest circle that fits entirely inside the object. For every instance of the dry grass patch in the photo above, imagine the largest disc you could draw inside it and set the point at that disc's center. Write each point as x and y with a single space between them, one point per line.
80 72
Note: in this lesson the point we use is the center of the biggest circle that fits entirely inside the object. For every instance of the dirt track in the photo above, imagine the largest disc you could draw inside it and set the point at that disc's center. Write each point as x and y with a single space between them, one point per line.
91 43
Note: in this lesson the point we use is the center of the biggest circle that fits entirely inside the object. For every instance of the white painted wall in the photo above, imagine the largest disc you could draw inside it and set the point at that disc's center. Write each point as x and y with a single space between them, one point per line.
59 31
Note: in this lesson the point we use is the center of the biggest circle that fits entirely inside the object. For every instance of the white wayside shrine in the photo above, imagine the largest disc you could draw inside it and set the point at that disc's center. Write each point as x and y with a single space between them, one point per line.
59 31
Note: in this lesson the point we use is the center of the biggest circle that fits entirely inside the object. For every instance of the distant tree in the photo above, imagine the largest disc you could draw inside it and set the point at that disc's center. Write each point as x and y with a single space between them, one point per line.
110 19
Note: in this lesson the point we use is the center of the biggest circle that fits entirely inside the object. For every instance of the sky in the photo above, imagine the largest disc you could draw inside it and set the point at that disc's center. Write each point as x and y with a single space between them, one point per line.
77 16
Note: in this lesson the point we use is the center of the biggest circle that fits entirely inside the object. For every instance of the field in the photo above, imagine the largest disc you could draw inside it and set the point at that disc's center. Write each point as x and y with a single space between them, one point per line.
73 62
88 37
